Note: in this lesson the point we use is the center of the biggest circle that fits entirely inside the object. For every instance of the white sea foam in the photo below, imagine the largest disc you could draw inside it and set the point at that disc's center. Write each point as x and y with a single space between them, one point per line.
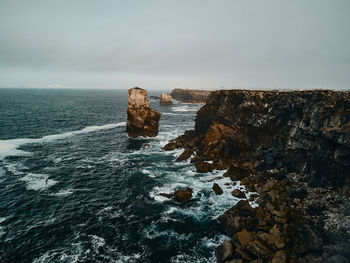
10 147
206 204
184 108
62 193
38 181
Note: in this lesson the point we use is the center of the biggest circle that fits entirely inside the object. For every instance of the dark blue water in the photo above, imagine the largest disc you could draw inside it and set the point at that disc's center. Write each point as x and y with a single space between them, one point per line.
75 188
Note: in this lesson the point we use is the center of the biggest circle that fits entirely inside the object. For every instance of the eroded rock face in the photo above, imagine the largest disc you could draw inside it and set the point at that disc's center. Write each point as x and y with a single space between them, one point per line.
142 119
190 96
293 149
165 99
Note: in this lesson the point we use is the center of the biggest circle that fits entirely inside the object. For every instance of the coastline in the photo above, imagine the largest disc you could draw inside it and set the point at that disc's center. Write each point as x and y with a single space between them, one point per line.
292 149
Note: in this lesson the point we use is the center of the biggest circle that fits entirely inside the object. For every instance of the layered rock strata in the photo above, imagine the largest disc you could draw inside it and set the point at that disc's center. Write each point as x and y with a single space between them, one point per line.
190 96
165 99
142 119
293 149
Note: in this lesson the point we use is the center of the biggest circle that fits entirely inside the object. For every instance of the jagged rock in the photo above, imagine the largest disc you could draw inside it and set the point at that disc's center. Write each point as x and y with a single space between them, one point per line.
203 167
217 189
190 96
238 193
224 251
180 196
185 155
244 237
165 99
293 149
142 119
279 257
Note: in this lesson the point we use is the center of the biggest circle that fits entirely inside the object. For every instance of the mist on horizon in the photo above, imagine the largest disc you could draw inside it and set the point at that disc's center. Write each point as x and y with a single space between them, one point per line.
175 44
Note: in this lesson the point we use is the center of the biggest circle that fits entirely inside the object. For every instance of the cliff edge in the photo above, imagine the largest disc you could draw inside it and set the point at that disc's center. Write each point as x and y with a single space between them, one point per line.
190 96
293 150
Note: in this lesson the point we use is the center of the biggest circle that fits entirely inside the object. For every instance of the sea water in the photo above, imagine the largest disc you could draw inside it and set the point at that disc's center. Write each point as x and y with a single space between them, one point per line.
75 188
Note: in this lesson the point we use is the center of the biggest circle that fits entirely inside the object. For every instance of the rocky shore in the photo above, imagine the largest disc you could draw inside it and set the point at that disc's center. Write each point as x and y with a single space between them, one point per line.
293 150
190 96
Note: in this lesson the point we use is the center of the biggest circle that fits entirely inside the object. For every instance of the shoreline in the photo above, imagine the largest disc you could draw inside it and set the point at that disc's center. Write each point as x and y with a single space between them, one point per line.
303 212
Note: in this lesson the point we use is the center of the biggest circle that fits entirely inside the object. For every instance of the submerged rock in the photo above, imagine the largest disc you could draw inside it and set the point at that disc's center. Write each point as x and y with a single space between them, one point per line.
165 99
142 119
180 196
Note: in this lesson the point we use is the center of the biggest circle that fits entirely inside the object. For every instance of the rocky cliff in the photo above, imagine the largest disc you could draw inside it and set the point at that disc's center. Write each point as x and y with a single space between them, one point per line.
142 119
293 149
190 96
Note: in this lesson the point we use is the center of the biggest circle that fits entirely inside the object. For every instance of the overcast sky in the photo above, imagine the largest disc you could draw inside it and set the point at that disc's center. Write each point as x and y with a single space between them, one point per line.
161 44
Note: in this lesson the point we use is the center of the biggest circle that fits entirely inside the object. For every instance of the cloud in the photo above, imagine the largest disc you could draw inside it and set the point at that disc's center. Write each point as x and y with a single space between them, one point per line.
185 43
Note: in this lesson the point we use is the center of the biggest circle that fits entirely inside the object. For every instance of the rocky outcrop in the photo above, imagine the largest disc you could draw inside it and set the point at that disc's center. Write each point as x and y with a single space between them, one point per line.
293 149
180 196
142 119
190 96
165 99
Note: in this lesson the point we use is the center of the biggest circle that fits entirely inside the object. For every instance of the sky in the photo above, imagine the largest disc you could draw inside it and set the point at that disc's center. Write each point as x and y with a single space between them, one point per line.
163 44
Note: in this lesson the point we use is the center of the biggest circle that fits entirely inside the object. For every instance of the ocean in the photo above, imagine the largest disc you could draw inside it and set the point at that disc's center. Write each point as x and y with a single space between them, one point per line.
75 188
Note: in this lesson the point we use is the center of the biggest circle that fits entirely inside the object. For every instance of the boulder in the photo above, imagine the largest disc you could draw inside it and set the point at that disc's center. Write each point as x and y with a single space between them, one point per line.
238 193
180 196
165 99
185 155
142 119
217 189
224 251
203 167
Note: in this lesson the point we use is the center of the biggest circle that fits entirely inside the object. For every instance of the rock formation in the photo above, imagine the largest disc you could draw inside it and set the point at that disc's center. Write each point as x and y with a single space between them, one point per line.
142 119
165 99
293 149
180 196
190 96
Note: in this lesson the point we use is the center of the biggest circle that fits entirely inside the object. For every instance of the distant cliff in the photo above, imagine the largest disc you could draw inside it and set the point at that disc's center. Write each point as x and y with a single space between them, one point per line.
293 149
190 96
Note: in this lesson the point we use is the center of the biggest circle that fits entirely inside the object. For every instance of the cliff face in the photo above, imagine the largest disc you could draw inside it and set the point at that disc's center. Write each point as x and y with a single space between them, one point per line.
190 96
293 150
142 119
306 132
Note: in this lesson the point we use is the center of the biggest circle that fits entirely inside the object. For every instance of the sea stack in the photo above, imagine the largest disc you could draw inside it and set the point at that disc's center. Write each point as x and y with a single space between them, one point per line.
142 119
166 99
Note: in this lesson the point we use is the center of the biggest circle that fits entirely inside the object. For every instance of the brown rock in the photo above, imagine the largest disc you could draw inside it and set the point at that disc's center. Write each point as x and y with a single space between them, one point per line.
192 96
237 173
203 167
165 99
224 251
181 195
244 237
217 189
279 257
239 217
238 193
185 155
259 249
142 119
170 146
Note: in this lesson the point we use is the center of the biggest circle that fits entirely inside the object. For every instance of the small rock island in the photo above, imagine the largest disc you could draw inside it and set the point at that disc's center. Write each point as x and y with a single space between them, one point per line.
165 99
142 119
